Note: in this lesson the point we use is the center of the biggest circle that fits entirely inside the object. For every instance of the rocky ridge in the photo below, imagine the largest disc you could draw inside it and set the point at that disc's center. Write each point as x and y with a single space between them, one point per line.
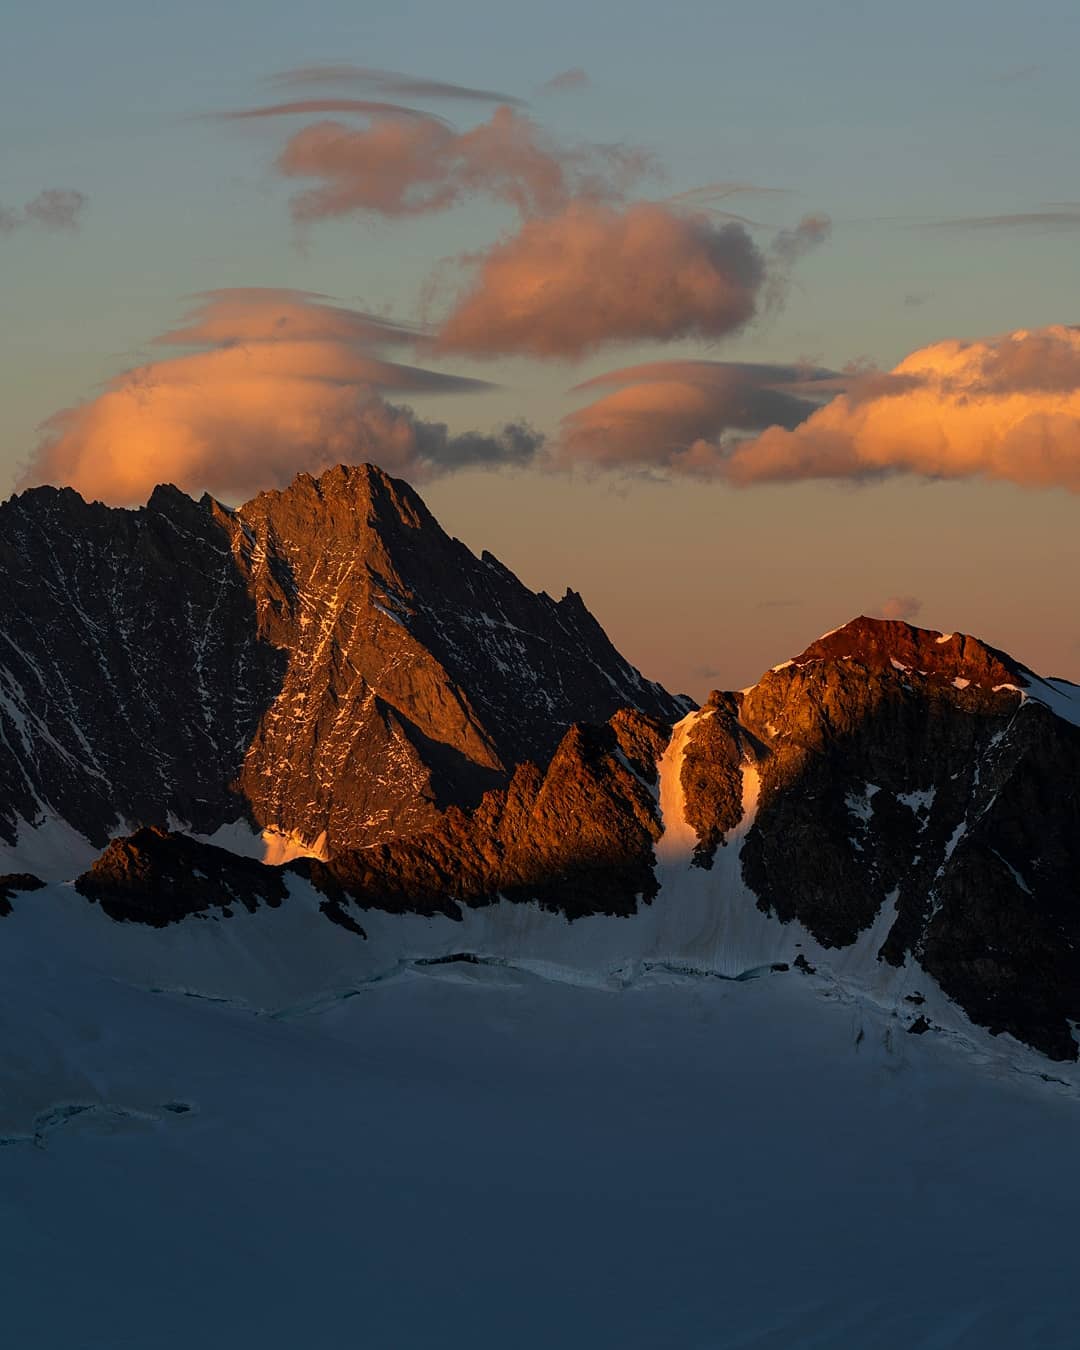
324 662
936 791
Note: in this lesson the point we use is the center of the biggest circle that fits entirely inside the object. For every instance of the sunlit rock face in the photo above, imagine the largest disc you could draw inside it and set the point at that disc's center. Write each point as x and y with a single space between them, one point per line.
418 675
324 662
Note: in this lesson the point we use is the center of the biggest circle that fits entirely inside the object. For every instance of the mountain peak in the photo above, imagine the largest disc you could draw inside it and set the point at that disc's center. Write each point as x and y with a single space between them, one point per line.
879 644
365 489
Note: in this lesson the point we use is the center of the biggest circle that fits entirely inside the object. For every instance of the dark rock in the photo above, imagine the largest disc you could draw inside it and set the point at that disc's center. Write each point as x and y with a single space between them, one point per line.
919 1027
11 884
158 878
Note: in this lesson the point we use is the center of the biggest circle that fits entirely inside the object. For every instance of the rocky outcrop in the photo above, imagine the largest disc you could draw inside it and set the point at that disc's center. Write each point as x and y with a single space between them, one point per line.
13 884
157 878
324 661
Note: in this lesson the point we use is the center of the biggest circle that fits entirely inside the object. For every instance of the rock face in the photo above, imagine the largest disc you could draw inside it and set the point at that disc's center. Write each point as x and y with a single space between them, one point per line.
418 675
324 661
132 673
578 839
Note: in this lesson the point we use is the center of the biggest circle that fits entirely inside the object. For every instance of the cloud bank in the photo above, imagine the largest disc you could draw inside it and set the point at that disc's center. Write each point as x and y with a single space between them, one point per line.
51 209
593 274
281 382
1004 408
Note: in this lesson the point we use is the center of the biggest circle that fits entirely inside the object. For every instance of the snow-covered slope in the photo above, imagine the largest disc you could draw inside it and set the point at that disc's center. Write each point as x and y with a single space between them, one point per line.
484 1154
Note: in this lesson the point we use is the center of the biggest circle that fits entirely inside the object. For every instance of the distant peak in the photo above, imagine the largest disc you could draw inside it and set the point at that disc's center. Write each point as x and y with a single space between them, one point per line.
880 644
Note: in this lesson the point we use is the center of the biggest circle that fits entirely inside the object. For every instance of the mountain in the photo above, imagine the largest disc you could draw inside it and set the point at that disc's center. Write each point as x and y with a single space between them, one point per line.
592 1015
324 663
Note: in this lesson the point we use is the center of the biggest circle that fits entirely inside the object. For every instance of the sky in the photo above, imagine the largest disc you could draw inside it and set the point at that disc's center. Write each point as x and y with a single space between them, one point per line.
815 266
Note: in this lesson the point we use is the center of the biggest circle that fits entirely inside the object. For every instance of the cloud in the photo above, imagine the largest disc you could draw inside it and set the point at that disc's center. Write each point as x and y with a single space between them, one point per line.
566 81
1051 216
52 209
416 164
674 415
1004 408
792 244
787 248
390 82
278 382
593 274
901 607
303 107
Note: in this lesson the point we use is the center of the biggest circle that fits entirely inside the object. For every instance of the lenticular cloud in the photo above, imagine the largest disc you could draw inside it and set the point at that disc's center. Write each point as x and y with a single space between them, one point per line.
676 416
280 382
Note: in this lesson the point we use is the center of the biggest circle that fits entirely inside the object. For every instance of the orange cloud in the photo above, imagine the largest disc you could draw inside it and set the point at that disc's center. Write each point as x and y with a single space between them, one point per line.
416 165
1004 408
283 383
592 274
673 415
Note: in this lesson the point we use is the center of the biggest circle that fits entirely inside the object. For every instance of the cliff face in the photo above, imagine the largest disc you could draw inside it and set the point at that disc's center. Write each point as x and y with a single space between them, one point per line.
324 661
132 673
418 675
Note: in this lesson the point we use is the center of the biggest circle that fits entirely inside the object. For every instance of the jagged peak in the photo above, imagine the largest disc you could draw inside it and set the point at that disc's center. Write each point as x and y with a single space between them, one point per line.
364 487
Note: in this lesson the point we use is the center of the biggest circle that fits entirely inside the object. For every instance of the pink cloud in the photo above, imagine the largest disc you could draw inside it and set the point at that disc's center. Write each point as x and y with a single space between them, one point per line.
592 274
251 409
398 166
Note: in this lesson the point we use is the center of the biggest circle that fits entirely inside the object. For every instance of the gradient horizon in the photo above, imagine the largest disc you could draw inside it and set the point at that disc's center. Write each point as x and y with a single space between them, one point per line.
891 121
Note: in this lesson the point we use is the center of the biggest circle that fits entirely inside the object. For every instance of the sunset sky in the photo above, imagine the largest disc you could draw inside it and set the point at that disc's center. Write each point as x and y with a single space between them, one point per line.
816 266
